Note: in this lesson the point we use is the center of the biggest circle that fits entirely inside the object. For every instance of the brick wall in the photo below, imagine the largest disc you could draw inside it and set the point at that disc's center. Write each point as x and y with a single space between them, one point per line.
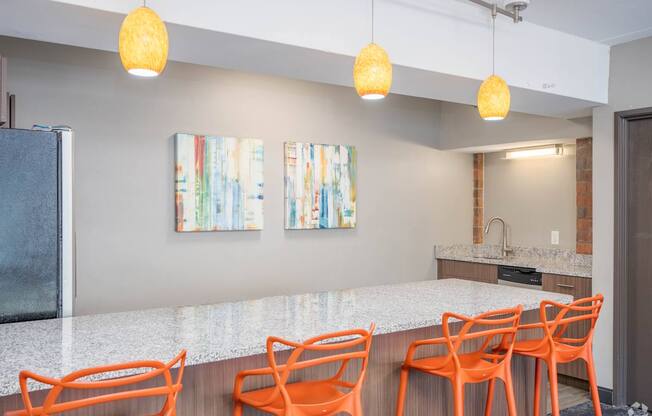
584 192
478 198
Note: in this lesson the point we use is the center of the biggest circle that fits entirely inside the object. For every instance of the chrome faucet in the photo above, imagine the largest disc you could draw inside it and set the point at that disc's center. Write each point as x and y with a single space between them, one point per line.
506 250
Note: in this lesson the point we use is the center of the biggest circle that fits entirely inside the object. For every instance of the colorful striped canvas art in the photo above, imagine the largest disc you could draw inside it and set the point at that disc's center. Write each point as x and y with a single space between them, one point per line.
219 183
320 186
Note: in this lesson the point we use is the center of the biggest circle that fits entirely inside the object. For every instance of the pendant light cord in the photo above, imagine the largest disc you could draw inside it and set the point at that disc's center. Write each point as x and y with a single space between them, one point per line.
372 20
494 12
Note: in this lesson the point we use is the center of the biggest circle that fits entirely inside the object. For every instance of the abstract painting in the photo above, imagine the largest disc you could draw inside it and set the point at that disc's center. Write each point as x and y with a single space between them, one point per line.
219 183
320 186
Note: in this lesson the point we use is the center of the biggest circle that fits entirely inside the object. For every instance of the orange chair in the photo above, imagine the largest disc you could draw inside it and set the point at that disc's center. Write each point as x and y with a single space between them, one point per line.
554 348
169 390
478 366
314 397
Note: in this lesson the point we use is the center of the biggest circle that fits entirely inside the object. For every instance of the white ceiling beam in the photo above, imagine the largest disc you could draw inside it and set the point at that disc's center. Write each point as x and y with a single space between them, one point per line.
441 48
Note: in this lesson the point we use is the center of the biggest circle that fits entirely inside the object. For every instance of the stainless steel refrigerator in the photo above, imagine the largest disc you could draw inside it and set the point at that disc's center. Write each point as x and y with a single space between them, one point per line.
36 234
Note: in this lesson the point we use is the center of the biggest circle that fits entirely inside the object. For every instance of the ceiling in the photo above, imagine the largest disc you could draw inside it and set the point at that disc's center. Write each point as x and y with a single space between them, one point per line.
606 21
441 49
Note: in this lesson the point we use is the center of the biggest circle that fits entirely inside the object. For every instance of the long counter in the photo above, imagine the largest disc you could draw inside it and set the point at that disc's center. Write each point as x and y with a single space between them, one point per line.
545 260
229 331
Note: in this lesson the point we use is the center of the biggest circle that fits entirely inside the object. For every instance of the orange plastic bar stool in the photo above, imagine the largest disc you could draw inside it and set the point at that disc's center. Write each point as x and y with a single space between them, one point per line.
481 365
556 348
314 397
170 389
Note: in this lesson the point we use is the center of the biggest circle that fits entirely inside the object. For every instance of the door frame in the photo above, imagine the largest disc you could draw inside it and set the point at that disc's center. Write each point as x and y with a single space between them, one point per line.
621 191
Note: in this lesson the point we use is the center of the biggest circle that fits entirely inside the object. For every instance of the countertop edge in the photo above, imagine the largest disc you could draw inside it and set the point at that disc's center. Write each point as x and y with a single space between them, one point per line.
507 262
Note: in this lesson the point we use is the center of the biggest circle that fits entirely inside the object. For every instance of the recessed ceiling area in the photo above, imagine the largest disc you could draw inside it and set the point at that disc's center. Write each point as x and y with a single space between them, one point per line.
606 21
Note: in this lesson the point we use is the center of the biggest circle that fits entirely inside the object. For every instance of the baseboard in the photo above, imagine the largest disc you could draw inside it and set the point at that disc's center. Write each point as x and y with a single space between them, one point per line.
606 395
573 381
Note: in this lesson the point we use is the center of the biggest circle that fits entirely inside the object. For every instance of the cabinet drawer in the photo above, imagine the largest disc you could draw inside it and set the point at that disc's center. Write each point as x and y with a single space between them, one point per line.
478 272
578 287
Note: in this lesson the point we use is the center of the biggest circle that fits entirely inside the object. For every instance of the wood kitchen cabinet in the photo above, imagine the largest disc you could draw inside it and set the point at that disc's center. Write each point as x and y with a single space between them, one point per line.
578 287
478 272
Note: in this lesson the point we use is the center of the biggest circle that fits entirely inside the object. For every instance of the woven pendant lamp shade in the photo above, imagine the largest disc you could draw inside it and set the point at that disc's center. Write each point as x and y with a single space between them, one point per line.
143 43
372 73
494 98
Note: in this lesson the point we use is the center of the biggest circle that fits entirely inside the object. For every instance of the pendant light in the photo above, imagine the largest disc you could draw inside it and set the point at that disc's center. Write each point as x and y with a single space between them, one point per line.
372 71
143 43
493 96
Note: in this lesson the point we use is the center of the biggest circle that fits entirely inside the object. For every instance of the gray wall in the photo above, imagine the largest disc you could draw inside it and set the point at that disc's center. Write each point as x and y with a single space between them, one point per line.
411 196
630 87
462 128
534 196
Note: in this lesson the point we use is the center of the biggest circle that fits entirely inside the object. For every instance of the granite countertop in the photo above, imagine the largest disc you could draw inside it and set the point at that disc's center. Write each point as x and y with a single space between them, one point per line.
544 260
229 330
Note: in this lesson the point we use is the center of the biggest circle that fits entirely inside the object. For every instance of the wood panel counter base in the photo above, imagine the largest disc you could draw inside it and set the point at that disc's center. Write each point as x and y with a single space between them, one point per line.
477 272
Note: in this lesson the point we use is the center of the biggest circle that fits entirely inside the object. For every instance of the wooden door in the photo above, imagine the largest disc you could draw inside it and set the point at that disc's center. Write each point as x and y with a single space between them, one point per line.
639 261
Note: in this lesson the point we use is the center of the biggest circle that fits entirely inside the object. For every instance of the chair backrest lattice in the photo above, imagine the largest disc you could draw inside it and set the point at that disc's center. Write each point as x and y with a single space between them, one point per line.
169 389
344 346
496 328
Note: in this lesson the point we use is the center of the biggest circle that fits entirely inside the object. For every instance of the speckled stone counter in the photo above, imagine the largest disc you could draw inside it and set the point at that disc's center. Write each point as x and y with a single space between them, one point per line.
544 260
230 330
225 338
